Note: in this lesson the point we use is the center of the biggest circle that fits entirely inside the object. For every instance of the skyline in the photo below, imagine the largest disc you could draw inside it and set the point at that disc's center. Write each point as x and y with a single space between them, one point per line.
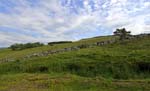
23 21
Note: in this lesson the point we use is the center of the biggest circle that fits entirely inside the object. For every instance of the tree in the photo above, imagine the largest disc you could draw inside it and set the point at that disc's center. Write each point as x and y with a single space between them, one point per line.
122 33
25 46
16 46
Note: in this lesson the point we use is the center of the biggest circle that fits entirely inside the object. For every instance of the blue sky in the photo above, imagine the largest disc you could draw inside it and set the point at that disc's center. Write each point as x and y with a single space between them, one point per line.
23 21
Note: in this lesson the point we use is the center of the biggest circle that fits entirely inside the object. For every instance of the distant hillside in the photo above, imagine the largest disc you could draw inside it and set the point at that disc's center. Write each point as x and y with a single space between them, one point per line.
13 55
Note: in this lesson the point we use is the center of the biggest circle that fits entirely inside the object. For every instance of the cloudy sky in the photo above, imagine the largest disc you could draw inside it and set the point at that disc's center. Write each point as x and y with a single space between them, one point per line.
24 21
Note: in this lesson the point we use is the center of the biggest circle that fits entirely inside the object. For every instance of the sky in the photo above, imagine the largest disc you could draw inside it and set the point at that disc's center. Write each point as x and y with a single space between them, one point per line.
23 21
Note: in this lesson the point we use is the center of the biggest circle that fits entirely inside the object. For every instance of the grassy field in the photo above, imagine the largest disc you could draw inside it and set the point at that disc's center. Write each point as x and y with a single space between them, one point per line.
67 82
123 66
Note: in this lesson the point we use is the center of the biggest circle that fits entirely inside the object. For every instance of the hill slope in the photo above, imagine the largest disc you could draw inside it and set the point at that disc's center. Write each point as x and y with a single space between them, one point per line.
120 66
9 54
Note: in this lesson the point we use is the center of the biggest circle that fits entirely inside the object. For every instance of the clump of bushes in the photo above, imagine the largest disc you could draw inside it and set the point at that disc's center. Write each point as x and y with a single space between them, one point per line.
25 46
59 42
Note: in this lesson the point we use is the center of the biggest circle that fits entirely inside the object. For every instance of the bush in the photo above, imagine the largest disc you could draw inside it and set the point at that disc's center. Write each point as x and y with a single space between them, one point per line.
59 42
25 46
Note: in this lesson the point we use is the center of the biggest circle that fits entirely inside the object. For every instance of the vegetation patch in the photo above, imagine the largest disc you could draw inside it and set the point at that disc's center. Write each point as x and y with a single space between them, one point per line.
25 46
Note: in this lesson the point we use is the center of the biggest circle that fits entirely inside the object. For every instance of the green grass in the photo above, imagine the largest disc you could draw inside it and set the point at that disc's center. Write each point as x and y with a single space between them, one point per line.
8 53
67 82
123 66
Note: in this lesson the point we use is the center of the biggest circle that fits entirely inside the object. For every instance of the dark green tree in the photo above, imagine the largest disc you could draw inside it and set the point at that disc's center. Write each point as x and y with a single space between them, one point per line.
122 33
25 46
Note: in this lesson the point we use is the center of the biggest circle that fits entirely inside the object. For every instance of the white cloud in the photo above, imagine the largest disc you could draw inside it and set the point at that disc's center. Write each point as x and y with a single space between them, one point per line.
52 21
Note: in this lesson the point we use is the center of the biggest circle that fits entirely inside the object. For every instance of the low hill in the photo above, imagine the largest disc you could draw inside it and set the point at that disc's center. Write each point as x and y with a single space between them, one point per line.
104 66
14 55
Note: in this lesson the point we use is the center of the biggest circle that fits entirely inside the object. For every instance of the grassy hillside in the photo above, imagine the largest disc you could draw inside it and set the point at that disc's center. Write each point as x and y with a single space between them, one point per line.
122 66
8 53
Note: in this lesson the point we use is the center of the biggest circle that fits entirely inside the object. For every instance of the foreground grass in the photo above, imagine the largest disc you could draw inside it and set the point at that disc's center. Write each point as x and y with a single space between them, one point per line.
67 82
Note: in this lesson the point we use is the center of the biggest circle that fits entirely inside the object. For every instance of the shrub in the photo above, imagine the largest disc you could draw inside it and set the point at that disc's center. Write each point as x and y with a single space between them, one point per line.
25 46
59 42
